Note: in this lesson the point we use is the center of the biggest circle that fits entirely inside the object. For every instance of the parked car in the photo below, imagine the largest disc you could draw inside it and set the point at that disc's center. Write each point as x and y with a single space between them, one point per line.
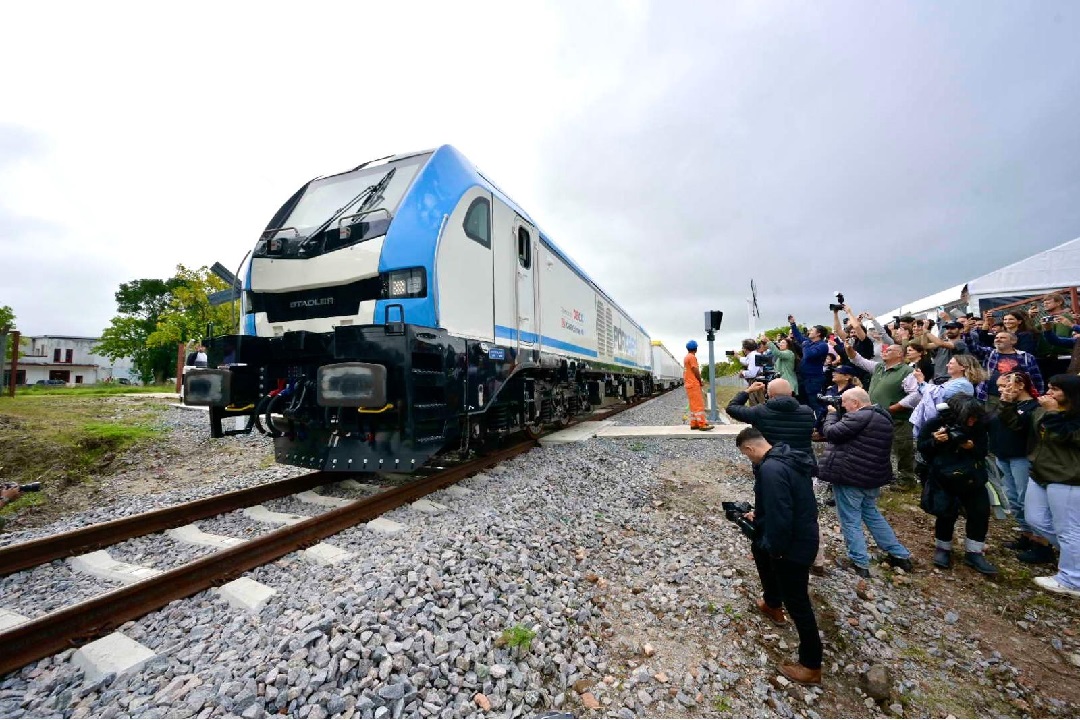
51 381
123 381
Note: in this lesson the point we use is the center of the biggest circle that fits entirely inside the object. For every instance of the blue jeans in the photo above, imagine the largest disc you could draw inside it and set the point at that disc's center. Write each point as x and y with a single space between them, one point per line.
1054 512
856 506
1014 472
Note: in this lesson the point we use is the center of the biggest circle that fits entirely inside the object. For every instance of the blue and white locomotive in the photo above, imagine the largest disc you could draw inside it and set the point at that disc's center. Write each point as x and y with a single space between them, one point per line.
406 307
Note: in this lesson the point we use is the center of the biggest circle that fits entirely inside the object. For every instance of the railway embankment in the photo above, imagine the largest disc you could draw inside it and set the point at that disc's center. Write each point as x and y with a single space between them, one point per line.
597 578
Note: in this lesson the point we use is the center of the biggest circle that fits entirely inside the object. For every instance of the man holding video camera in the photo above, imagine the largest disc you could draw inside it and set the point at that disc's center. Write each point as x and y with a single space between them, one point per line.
785 543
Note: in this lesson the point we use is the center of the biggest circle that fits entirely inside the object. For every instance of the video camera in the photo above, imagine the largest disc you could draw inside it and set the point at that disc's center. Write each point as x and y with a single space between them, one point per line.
834 400
839 304
27 488
736 513
1046 319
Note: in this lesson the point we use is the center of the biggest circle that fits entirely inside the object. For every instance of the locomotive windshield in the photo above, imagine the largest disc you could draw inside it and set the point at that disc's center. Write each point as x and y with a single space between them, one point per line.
374 190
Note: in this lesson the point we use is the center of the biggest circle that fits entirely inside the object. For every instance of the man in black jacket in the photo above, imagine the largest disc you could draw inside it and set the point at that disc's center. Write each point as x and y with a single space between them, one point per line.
781 419
857 463
785 517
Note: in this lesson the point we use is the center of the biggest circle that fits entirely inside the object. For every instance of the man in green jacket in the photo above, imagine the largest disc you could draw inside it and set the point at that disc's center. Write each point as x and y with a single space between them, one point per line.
894 388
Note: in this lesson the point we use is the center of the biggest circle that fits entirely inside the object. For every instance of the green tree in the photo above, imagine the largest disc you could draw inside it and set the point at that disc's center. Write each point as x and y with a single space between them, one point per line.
7 324
188 311
157 314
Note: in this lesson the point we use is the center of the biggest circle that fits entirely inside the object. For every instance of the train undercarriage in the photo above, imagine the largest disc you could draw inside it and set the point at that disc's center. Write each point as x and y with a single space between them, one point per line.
390 397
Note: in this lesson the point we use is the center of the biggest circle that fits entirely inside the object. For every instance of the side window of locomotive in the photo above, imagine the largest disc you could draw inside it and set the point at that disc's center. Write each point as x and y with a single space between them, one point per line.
524 248
478 222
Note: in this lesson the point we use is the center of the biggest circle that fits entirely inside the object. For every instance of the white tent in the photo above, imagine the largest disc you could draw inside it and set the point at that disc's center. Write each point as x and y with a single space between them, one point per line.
1053 269
928 306
1044 272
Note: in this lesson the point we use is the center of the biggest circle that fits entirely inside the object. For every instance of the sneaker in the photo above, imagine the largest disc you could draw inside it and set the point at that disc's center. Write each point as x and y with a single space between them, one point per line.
801 674
1020 544
776 615
860 571
904 564
943 558
706 427
980 563
1049 582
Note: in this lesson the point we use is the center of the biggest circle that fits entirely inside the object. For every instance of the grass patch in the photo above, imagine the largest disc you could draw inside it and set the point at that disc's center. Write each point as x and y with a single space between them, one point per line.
63 440
517 637
96 390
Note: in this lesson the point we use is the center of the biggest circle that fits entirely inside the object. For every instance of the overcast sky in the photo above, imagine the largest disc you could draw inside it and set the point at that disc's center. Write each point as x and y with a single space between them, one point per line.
674 150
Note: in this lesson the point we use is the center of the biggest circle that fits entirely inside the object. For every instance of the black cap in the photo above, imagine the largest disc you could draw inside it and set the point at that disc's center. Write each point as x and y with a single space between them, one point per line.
952 324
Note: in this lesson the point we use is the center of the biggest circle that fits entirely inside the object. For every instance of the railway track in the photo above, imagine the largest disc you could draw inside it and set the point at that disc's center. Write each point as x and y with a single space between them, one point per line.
77 624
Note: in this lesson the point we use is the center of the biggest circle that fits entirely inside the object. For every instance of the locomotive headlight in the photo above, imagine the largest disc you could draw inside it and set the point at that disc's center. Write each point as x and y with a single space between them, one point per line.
352 384
405 283
207 386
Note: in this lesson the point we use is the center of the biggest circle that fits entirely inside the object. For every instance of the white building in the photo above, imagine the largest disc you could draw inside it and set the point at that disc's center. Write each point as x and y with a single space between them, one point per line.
69 359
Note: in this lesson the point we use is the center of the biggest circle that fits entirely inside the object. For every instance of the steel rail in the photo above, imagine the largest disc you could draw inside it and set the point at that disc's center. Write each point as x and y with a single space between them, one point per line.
74 625
38 552
21 556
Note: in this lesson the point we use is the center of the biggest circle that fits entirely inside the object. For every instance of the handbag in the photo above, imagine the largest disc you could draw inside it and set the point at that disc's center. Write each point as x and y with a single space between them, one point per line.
936 500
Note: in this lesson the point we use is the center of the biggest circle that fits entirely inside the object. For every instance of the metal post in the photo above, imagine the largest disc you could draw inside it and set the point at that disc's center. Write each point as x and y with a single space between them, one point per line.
14 362
714 412
179 366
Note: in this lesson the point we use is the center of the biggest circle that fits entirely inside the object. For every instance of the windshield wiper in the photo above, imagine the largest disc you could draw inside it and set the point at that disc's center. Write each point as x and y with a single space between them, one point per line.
366 194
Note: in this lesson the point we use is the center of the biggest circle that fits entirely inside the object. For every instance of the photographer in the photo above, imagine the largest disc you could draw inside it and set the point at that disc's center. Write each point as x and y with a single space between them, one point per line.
943 348
857 463
748 358
785 544
954 445
894 388
781 419
786 361
815 349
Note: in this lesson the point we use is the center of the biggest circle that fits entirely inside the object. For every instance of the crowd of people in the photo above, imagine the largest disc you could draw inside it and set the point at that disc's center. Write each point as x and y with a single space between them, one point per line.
966 407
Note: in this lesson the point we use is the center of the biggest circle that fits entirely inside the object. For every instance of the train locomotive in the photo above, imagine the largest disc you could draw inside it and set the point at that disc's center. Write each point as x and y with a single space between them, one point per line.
406 308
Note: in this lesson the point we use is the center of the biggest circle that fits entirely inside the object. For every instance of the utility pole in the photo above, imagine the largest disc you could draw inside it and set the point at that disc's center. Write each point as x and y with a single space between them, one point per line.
713 318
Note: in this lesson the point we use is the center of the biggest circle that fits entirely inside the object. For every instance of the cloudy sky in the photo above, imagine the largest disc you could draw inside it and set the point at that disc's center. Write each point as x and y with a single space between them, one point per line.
675 150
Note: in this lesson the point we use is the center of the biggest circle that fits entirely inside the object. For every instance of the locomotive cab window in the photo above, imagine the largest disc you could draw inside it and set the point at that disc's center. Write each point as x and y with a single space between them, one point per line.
524 248
478 221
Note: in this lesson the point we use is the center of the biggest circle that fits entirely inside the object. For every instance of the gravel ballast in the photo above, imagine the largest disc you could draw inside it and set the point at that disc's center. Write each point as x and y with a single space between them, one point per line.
597 578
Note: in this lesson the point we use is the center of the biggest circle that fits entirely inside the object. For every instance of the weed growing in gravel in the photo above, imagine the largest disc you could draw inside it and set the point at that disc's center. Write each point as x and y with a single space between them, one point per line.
731 612
721 704
711 608
638 446
517 637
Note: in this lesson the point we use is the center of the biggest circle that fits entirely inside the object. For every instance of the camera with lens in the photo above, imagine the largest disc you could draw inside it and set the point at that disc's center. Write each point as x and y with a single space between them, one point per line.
834 400
736 513
27 488
957 433
839 304
1046 319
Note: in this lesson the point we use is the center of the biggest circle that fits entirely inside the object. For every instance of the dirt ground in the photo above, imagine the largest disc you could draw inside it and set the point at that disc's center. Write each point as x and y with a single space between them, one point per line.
968 646
177 458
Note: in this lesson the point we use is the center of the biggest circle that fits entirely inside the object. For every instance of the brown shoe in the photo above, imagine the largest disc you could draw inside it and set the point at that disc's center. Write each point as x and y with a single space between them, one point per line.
776 615
801 674
706 427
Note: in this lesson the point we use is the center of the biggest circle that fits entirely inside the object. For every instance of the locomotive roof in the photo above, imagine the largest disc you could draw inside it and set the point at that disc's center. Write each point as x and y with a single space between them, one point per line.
497 191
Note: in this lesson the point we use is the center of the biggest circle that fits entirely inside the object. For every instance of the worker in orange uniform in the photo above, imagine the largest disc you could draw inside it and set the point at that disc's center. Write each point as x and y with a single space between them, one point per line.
693 384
